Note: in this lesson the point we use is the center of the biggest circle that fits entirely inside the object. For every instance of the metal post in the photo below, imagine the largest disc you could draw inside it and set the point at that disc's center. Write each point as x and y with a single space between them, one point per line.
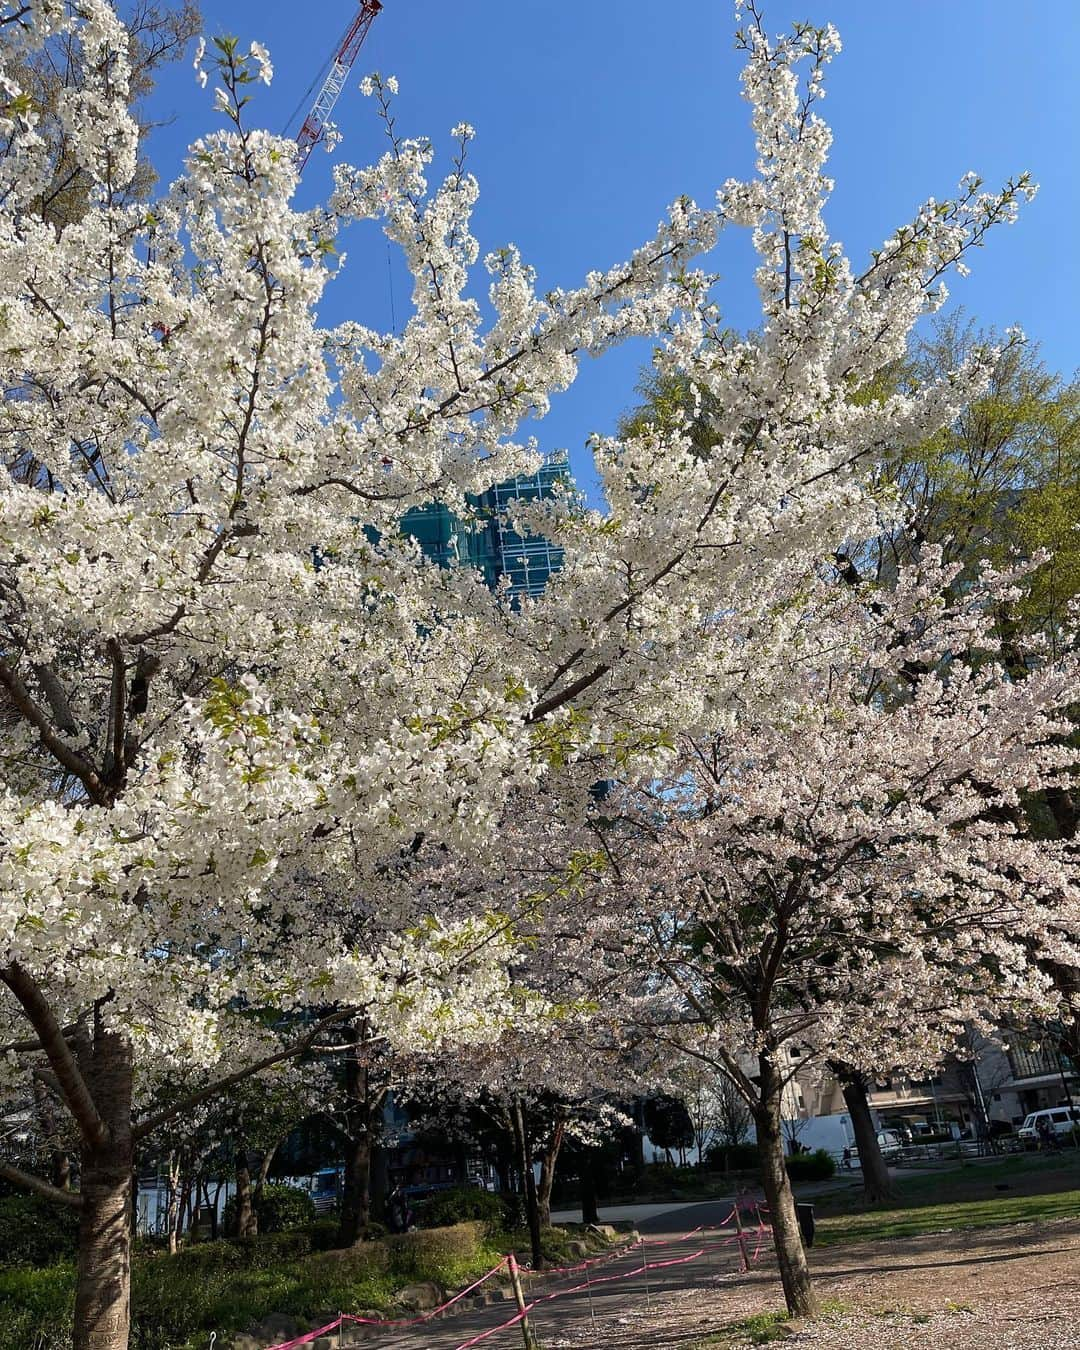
645 1274
530 1340
588 1286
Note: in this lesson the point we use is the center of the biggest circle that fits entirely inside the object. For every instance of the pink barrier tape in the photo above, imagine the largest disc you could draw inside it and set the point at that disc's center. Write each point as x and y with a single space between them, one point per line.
609 1279
576 1289
311 1336
501 1327
389 1322
701 1228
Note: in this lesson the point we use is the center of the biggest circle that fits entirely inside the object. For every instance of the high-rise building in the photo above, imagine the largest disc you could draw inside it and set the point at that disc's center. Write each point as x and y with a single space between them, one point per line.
486 541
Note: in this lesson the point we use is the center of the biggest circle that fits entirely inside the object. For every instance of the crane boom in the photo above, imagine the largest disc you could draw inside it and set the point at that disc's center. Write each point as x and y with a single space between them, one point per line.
346 54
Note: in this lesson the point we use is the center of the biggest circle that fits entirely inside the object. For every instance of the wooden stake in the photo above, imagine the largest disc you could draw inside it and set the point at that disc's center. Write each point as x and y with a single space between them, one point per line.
530 1340
742 1235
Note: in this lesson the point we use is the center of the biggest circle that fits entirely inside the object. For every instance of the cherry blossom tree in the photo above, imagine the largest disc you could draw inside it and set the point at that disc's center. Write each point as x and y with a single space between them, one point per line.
222 666
850 874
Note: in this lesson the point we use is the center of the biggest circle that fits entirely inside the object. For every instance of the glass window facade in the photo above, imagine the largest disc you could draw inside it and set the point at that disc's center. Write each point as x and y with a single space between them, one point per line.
487 541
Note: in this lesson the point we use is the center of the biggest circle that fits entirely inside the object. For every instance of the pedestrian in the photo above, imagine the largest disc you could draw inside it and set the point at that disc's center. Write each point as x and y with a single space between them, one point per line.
397 1210
847 1159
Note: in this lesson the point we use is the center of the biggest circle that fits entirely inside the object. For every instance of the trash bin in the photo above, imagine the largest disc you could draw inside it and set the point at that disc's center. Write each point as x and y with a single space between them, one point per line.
805 1215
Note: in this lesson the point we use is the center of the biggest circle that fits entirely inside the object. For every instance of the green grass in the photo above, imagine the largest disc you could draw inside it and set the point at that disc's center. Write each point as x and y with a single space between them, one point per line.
758 1330
177 1301
762 1328
966 1197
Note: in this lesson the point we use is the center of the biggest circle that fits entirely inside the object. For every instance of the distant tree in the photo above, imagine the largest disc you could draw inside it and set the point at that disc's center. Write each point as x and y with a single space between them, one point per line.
668 1124
159 34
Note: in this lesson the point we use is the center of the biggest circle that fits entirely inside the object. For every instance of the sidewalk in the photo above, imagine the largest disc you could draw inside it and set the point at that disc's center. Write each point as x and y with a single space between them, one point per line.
638 1213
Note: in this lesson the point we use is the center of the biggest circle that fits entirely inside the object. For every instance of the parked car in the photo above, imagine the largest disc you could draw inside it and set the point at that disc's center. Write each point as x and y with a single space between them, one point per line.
889 1142
1061 1120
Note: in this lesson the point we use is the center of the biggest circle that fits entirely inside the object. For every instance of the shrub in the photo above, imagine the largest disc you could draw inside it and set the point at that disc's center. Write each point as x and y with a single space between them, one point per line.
733 1157
278 1209
441 1255
461 1205
514 1211
816 1166
36 1232
37 1308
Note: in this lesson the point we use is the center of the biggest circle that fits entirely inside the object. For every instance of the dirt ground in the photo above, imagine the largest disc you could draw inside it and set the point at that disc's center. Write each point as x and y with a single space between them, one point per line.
1015 1288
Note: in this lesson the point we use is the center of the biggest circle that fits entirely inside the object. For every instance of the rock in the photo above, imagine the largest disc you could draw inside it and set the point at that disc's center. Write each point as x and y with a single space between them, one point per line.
277 1327
577 1248
605 1230
420 1297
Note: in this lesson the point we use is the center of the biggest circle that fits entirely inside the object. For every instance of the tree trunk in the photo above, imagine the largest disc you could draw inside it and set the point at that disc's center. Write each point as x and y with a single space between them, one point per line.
547 1173
356 1196
265 1163
532 1207
215 1210
379 1182
589 1211
172 1205
877 1184
790 1257
246 1221
361 1127
103 1280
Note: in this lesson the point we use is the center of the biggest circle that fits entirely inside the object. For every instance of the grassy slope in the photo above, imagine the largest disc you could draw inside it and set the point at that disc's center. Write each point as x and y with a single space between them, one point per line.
178 1301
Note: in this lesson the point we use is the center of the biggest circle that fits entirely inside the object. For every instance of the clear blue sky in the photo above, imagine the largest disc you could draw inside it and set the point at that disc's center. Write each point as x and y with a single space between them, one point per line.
592 115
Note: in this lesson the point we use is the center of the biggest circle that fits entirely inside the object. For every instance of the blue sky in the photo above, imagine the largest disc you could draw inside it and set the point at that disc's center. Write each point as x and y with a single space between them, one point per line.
591 116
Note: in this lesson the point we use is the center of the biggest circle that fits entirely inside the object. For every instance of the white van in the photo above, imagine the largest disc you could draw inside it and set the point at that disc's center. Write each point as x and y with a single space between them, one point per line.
1059 1118
890 1143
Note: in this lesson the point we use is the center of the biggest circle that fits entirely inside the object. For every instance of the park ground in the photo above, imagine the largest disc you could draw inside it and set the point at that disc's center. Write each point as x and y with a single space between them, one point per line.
982 1256
985 1254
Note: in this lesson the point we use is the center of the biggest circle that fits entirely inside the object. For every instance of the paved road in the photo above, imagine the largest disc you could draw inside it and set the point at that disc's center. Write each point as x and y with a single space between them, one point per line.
609 1299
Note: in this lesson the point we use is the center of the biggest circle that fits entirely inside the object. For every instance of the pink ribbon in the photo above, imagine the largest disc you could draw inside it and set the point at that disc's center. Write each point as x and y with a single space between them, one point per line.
389 1322
546 1298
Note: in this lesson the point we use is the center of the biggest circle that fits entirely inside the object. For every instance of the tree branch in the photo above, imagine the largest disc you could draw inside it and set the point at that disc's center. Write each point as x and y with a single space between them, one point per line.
38 1186
72 1085
75 763
162 1117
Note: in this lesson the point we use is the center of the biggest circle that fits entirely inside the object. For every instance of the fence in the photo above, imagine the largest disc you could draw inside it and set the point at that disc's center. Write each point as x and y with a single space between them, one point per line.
742 1236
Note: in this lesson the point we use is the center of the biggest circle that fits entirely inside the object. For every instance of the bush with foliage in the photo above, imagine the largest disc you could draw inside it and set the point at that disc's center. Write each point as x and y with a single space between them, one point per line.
278 1210
461 1204
35 1231
733 1157
816 1166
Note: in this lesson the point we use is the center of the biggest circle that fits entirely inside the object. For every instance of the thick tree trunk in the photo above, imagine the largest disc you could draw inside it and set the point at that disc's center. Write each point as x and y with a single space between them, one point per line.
103 1281
877 1184
790 1256
362 1126
356 1196
547 1173
246 1221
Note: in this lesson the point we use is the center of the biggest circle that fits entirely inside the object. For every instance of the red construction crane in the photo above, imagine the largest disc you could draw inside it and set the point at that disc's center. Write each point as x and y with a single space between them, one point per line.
347 52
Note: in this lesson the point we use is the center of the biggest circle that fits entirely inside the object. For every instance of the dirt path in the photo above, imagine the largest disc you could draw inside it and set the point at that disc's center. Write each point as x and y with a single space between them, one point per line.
1015 1288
